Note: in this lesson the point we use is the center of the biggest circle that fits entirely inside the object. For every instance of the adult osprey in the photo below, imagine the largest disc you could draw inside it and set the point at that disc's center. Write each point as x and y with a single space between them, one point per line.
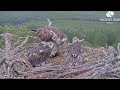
50 33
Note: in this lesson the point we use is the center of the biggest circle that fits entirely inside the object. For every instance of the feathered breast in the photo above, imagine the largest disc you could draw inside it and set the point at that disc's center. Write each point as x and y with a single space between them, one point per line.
46 33
37 54
74 49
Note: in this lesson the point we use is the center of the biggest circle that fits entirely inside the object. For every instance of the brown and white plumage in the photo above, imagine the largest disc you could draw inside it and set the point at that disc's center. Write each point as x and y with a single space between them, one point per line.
38 54
73 52
75 47
48 33
51 34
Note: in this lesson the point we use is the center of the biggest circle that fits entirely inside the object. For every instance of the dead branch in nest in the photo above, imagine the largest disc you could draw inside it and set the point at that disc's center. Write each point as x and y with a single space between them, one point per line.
91 70
66 70
79 71
9 55
22 44
95 69
1 61
103 70
82 75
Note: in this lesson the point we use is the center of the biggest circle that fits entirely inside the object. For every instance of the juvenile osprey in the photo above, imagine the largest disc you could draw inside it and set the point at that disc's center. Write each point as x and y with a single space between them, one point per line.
37 54
73 52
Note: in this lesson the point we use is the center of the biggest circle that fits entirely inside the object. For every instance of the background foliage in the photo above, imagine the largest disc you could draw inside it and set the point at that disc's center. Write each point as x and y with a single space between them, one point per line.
83 24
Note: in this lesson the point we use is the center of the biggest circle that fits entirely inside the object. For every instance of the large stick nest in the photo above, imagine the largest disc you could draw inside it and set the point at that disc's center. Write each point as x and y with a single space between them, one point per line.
12 65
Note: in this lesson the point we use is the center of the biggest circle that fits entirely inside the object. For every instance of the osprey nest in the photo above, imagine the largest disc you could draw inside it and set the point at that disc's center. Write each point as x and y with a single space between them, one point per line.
52 57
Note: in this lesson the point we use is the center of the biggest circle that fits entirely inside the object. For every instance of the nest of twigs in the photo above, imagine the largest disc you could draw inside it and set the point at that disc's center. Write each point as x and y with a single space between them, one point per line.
13 66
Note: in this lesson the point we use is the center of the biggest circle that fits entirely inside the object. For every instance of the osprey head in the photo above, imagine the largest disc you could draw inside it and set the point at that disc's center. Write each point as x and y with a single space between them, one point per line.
75 39
50 44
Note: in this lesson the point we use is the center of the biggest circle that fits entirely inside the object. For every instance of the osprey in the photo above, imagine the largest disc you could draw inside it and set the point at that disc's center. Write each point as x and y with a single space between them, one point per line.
73 51
37 54
50 33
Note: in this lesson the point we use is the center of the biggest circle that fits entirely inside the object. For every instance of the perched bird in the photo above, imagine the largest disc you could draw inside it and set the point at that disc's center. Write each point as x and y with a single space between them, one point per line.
37 54
50 33
72 53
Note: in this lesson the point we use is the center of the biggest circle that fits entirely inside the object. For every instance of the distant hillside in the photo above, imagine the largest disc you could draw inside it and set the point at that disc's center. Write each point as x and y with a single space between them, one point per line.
83 24
24 16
